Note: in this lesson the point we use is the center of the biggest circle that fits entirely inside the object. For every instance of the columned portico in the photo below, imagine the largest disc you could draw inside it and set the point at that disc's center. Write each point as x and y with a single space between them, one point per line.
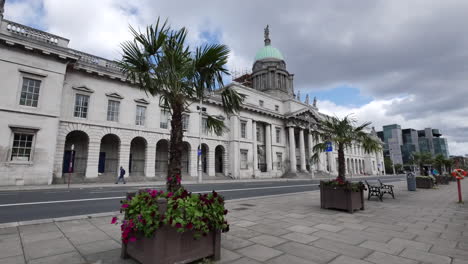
302 150
268 157
292 150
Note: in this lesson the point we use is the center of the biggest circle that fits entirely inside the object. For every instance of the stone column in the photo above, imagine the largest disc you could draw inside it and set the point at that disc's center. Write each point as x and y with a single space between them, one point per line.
269 162
292 150
150 160
124 157
254 147
93 159
311 151
234 147
302 150
320 163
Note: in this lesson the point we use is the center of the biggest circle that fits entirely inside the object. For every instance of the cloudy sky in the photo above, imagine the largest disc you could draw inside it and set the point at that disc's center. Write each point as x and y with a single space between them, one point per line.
398 61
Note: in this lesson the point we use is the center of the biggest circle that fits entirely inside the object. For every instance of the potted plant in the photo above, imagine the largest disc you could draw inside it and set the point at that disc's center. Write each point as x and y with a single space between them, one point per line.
164 227
425 182
340 193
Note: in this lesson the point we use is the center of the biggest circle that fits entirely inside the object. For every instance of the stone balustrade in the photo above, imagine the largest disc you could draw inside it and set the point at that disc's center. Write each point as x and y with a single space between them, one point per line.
13 28
97 61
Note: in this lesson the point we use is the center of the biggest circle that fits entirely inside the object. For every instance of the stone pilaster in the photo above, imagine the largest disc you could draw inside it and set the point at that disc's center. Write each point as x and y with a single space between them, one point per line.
150 160
211 162
268 157
302 150
93 159
292 150
234 147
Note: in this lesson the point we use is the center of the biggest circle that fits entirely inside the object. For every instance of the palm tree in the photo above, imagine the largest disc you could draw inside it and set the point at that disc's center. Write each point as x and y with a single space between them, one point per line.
160 62
439 162
343 132
421 159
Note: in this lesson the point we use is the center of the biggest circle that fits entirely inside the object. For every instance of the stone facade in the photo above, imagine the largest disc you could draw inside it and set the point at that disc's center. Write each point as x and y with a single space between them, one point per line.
63 111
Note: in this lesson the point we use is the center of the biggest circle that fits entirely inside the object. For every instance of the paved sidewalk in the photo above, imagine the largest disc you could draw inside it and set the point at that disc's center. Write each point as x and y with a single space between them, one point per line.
426 226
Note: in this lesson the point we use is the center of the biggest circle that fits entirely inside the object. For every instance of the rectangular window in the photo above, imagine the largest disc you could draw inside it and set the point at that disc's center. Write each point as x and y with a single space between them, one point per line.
30 92
185 122
243 159
243 129
140 115
113 110
278 135
164 118
260 102
205 126
22 146
277 108
279 160
81 106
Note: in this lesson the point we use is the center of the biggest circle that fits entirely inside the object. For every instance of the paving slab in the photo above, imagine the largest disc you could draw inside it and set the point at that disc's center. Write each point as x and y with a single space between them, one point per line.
259 252
307 252
342 248
300 237
13 260
348 260
425 257
267 240
289 259
384 258
69 258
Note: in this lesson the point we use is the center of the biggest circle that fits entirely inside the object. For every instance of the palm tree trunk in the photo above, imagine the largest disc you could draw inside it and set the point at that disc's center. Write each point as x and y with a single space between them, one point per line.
341 163
174 174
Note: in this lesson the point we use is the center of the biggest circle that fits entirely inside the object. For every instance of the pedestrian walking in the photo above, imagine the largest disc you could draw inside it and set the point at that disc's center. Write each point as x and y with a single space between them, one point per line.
121 176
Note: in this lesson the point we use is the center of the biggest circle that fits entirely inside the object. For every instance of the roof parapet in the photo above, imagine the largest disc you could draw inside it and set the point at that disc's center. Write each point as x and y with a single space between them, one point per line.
15 29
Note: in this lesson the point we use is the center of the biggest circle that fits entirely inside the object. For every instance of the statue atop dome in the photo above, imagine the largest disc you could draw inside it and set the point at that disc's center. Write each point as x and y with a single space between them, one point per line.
315 101
267 35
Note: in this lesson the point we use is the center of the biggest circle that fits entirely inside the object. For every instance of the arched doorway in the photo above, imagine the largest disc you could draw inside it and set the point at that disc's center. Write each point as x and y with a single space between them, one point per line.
186 158
137 157
219 159
162 157
109 154
75 155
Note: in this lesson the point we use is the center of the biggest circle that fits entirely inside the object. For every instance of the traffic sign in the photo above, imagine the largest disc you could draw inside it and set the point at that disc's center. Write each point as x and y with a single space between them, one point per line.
329 146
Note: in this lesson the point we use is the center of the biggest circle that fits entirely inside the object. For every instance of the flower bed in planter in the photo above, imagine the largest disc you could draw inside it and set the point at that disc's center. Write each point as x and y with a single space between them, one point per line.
163 228
424 182
342 195
442 179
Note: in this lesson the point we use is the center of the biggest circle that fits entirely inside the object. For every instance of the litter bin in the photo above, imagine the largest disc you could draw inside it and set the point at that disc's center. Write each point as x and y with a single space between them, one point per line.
411 181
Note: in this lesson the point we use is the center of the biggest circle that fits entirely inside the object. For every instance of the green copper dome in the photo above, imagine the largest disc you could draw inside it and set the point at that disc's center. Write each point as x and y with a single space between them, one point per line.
268 52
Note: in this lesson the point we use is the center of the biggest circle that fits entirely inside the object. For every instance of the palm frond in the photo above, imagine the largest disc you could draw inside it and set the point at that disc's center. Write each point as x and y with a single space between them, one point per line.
215 125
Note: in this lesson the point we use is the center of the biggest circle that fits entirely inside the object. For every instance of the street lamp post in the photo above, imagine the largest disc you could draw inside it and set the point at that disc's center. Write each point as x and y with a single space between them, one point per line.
199 150
70 165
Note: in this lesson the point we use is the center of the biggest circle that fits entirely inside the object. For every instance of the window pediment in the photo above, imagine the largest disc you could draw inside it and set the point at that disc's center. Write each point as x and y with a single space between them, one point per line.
142 101
83 88
114 95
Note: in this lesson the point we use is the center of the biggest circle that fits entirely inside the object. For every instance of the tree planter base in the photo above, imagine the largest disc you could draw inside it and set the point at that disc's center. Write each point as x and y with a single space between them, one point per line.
341 198
169 246
424 183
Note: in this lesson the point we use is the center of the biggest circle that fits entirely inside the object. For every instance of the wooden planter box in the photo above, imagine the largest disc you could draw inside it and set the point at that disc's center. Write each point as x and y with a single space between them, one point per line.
424 183
442 179
341 198
168 246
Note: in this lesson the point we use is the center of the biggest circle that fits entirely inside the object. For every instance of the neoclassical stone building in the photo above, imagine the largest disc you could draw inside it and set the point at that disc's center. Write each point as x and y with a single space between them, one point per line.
65 112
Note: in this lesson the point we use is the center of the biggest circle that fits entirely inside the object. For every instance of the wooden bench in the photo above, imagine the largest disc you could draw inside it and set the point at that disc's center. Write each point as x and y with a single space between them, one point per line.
373 190
386 188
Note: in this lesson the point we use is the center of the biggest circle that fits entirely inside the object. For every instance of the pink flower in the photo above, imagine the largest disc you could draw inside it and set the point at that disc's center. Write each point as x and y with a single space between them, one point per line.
189 226
225 212
124 205
178 225
169 195
114 220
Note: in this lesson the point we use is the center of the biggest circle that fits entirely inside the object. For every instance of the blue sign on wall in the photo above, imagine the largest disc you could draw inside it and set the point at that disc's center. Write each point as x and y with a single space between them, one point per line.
329 147
199 152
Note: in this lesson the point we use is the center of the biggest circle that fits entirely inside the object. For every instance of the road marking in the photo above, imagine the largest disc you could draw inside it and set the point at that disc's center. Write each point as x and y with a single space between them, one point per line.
122 197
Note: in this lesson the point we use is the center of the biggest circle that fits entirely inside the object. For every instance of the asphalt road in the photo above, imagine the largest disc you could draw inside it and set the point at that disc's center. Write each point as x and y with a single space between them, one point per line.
52 203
